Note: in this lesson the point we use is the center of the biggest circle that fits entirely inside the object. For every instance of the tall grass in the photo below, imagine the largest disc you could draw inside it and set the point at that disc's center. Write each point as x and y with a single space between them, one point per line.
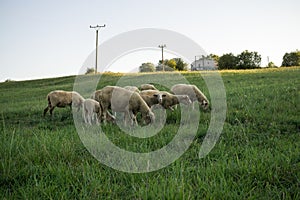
256 157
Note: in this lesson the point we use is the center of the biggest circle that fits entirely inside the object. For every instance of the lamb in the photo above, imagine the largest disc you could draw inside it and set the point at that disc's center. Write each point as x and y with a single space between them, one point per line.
91 110
193 92
122 100
61 98
132 88
169 100
147 87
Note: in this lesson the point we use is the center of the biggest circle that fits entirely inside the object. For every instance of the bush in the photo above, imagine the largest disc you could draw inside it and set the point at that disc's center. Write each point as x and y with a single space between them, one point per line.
90 70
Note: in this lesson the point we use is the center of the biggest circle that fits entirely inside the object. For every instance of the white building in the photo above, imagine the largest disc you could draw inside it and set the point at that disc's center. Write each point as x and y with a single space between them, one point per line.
204 63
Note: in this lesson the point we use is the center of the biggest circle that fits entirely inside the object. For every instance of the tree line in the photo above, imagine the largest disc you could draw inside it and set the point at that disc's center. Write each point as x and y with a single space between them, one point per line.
252 60
244 60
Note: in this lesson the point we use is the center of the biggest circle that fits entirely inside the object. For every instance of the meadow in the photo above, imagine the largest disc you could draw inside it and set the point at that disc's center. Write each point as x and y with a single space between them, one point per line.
256 157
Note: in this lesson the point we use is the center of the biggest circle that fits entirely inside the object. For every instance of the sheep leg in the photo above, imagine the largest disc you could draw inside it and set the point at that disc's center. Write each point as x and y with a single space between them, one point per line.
46 110
85 116
110 117
171 108
51 110
90 116
133 119
104 115
94 117
126 116
49 106
98 118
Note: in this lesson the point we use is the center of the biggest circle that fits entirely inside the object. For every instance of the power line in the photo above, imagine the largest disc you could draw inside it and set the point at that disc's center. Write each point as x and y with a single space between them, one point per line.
97 27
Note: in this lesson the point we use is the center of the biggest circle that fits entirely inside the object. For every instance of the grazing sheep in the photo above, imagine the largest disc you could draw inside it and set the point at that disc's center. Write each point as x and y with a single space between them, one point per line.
193 92
151 97
109 116
122 100
169 100
95 95
60 98
91 111
147 87
132 88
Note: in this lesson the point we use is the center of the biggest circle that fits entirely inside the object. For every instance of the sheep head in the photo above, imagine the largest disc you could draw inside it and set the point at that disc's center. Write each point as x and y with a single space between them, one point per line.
204 104
149 118
159 97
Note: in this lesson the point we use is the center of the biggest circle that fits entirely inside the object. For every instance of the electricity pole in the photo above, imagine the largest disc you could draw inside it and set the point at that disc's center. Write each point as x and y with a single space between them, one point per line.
195 67
97 27
162 55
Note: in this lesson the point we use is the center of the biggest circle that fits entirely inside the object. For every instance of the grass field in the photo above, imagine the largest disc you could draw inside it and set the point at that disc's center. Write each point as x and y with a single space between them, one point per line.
256 157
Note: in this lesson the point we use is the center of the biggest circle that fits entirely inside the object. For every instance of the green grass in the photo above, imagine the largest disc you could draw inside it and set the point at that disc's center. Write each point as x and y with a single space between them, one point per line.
256 157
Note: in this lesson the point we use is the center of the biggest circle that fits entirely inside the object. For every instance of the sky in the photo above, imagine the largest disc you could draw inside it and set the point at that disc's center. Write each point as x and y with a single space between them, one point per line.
41 38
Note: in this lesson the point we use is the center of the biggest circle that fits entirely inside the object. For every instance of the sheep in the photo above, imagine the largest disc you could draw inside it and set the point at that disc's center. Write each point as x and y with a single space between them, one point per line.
147 87
193 92
109 117
122 100
91 110
151 97
169 100
95 95
132 88
61 98
165 99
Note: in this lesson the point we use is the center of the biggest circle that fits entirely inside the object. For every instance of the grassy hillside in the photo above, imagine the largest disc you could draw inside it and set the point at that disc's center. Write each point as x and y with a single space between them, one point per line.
256 157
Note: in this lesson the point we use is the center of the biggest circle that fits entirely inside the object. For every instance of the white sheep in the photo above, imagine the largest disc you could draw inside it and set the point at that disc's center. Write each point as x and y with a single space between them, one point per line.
151 97
170 100
91 111
147 87
132 88
193 92
122 100
61 98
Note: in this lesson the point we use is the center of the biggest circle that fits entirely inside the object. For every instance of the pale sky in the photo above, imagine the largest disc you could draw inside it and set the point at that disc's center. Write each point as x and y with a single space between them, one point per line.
52 38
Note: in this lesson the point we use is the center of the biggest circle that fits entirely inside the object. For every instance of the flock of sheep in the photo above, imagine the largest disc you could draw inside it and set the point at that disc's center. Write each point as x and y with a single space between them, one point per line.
129 100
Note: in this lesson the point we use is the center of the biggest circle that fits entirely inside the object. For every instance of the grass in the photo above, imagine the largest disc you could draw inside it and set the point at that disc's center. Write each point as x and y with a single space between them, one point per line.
256 157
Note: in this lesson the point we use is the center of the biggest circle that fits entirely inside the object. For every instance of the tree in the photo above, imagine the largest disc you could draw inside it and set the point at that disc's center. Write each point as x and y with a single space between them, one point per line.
271 65
90 70
248 60
147 67
214 57
180 64
171 63
227 61
291 59
159 67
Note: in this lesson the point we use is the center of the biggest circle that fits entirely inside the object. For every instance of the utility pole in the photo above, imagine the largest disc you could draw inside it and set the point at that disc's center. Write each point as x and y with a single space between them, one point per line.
162 55
195 67
97 27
